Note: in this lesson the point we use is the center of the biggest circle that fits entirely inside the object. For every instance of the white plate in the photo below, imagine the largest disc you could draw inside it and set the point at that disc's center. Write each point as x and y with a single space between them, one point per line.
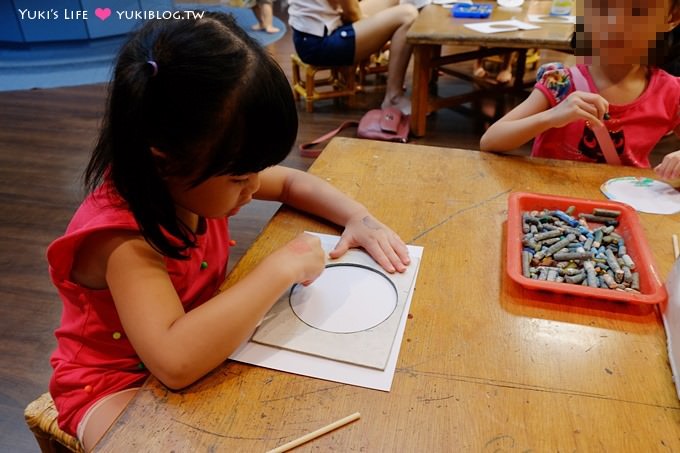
644 194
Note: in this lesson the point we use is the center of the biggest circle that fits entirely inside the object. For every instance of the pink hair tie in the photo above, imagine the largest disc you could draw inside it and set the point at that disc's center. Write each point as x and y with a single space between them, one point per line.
154 67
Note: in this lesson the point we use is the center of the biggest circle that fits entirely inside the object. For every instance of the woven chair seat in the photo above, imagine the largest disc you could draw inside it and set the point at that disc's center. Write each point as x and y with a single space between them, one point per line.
41 418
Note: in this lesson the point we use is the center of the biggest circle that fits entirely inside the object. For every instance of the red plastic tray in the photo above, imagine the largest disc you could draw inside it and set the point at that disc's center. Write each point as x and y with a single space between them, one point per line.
652 290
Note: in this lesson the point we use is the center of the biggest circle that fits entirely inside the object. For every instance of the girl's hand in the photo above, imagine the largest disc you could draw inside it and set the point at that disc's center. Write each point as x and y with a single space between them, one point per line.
579 105
305 257
669 168
383 244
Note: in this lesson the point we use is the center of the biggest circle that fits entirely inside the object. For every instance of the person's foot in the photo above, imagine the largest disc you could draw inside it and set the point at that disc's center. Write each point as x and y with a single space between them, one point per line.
269 29
400 102
505 76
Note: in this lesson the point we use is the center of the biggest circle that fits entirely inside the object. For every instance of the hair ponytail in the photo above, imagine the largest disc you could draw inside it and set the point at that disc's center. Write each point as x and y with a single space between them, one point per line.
202 104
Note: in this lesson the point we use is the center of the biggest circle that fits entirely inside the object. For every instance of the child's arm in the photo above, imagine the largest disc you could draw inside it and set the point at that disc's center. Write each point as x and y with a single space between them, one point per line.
315 196
534 116
177 347
669 168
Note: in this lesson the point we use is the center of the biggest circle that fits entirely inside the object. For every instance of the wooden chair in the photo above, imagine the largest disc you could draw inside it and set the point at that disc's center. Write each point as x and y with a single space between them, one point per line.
338 81
494 63
41 418
377 63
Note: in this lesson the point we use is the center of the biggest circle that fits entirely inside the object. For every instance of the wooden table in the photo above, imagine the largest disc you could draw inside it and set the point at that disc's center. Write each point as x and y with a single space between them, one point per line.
435 27
484 365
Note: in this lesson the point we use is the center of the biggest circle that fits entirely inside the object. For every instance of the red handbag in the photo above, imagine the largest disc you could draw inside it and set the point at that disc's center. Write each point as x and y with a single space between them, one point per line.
379 124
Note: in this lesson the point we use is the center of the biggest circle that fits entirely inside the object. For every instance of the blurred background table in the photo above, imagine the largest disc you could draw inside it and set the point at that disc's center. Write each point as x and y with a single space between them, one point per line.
435 27
484 364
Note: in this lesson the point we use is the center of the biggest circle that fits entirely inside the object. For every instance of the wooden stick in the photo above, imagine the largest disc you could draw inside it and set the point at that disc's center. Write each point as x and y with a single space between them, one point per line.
676 250
314 434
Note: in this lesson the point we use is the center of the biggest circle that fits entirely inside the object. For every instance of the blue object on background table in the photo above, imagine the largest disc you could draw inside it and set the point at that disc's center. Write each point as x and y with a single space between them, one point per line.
472 10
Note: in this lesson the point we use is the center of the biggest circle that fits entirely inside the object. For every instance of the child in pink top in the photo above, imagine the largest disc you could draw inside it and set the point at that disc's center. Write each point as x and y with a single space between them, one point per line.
181 149
636 102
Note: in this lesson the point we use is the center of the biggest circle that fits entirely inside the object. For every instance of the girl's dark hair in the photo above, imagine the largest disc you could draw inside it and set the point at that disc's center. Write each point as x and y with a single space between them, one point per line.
671 57
204 94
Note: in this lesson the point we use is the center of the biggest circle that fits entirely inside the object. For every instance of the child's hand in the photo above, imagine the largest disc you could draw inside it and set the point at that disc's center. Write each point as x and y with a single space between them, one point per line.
669 168
305 256
579 105
383 244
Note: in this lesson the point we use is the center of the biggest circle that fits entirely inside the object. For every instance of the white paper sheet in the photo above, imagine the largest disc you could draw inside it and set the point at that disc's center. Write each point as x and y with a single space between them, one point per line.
644 194
344 291
510 4
501 26
450 3
318 367
671 322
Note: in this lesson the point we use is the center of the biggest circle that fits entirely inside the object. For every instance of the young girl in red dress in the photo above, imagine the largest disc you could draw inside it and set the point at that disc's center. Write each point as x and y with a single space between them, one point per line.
197 119
637 102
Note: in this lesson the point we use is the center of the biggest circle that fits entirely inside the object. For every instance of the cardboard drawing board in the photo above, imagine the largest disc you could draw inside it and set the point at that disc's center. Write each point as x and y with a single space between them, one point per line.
350 313
361 320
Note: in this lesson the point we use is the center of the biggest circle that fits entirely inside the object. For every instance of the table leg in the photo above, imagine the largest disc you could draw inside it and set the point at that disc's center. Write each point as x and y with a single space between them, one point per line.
422 71
520 69
434 76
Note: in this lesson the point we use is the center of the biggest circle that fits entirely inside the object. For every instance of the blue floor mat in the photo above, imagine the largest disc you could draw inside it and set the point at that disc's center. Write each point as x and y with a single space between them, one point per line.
72 63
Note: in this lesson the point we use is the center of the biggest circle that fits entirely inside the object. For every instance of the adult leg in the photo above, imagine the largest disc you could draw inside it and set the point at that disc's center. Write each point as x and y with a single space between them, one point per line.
372 7
373 32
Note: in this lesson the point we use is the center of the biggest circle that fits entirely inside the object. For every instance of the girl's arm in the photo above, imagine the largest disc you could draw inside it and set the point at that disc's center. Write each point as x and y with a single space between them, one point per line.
534 116
669 168
177 347
520 125
315 196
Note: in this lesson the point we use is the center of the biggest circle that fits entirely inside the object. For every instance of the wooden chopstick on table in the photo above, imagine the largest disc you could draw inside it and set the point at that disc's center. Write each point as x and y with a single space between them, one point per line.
314 434
676 250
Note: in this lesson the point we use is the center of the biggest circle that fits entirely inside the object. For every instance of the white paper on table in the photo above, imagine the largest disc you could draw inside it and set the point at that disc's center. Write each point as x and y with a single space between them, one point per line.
548 19
510 4
501 26
644 194
322 368
450 3
671 322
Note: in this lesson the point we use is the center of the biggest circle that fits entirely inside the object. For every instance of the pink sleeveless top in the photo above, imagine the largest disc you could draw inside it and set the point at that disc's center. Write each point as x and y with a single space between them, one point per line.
635 128
94 357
